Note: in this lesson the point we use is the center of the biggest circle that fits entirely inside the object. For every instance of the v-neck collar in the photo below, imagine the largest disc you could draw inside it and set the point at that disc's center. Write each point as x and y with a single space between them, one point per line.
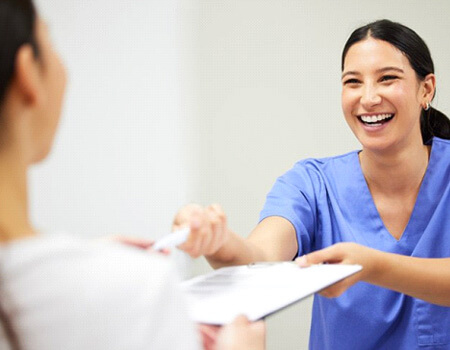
363 206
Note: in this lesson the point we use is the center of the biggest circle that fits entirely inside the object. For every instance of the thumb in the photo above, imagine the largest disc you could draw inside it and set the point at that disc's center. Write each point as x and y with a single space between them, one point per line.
326 255
241 320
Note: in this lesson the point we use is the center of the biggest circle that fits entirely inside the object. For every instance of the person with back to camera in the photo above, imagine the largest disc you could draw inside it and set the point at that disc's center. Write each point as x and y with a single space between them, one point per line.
385 207
56 291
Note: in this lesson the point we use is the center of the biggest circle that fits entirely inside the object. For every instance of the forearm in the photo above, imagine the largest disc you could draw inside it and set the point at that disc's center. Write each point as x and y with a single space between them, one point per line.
236 251
427 279
273 239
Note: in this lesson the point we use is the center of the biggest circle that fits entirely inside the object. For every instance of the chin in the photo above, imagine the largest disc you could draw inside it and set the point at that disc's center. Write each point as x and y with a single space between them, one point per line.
377 144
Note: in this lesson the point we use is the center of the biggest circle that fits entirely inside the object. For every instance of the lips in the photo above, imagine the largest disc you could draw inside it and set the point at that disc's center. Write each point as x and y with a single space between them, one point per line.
376 119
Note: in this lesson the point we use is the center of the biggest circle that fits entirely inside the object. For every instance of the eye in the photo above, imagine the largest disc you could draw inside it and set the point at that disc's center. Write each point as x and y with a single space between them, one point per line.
352 81
388 78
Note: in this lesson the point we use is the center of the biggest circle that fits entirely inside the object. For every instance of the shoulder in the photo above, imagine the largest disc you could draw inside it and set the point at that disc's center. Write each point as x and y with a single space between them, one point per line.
80 288
440 154
73 254
81 272
442 144
317 169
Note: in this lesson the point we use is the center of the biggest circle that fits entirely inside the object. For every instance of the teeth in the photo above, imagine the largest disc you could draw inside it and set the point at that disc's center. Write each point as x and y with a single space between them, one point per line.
375 118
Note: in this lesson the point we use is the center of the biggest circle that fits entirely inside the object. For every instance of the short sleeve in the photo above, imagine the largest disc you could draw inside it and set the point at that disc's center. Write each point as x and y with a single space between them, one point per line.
292 197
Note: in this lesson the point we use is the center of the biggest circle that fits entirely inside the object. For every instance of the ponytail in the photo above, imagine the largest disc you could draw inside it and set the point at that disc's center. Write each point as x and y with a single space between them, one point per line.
434 123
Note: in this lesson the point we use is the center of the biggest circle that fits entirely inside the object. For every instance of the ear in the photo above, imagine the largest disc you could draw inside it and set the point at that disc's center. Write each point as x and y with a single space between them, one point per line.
27 76
428 88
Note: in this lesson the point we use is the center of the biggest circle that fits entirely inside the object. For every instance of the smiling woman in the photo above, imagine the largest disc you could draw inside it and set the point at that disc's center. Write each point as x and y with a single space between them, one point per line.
392 196
382 97
416 58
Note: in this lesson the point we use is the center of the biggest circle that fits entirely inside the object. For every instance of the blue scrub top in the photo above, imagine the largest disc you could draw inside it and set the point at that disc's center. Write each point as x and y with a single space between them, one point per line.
328 201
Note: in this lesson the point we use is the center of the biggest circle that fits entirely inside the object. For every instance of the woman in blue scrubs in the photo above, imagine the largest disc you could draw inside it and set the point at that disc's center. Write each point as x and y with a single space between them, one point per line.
390 199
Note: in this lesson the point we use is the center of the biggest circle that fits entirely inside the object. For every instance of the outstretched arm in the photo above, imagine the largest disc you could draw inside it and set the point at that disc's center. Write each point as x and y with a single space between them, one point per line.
427 279
273 239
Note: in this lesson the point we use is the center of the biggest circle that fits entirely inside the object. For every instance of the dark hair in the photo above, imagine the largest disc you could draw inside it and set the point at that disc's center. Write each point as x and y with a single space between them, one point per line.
432 121
17 27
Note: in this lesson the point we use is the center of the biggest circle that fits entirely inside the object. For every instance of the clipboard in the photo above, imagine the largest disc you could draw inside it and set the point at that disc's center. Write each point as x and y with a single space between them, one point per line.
256 290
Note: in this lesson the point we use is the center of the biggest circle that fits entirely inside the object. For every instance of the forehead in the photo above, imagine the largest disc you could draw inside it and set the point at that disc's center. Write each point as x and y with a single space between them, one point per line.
373 54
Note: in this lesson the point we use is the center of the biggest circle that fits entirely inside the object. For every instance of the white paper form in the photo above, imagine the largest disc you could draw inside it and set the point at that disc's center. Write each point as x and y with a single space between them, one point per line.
256 290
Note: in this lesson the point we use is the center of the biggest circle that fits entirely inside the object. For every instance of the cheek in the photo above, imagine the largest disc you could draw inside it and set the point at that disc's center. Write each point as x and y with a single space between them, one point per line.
398 93
404 98
60 75
349 101
58 85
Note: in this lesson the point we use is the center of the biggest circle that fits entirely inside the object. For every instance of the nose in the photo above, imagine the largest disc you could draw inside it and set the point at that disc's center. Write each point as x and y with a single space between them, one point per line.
370 97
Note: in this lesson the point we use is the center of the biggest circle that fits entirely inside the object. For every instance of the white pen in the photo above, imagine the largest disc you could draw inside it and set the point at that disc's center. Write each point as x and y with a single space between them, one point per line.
172 239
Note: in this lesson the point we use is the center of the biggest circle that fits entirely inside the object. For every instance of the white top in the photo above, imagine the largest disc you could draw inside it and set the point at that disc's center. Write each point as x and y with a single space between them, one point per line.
64 293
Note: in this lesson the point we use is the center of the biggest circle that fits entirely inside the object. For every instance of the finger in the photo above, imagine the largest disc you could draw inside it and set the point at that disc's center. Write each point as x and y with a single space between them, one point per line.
163 251
331 292
209 336
213 222
133 241
209 331
208 233
215 232
340 287
194 235
184 214
203 236
241 320
178 227
302 261
259 327
221 226
217 208
328 255
220 214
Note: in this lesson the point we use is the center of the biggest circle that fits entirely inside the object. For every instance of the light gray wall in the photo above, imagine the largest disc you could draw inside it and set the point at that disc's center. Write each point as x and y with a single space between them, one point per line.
268 94
119 161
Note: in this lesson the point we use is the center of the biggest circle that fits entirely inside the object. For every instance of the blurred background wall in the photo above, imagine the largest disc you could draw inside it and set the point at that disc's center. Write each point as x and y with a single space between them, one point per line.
180 101
119 165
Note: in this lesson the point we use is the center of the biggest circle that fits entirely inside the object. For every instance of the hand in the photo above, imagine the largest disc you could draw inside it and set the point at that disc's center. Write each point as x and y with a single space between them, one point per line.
343 253
242 334
208 226
136 242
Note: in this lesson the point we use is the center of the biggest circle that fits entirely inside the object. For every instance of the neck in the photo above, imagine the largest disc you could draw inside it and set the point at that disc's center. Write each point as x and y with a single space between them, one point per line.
396 172
14 222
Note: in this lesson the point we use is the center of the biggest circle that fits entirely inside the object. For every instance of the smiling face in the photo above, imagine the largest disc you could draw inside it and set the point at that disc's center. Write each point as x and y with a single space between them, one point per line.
382 97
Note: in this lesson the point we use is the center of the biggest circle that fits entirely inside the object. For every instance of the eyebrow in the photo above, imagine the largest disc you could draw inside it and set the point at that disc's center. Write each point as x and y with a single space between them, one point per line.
381 70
